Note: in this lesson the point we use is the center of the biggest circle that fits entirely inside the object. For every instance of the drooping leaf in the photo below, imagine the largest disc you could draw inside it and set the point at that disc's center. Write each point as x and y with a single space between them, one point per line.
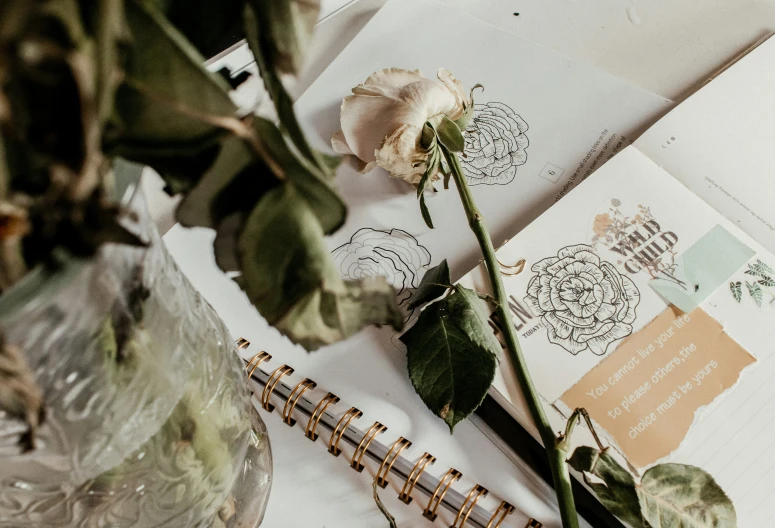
452 355
288 275
169 106
426 214
737 290
287 26
431 166
678 496
450 135
259 35
755 291
434 283
112 42
617 491
759 269
767 281
311 182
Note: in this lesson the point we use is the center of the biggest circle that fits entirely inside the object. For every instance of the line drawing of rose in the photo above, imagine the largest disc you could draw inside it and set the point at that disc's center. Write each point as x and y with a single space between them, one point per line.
495 145
585 303
395 255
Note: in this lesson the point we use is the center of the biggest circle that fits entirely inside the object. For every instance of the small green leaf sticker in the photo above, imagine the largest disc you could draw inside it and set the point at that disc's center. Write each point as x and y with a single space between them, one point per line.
450 135
760 269
433 285
755 291
737 290
452 355
767 281
426 214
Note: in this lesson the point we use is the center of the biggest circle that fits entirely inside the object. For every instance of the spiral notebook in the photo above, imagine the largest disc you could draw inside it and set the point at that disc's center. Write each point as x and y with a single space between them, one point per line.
319 419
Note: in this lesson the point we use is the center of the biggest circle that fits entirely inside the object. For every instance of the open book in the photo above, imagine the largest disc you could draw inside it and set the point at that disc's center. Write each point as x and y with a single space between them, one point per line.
648 295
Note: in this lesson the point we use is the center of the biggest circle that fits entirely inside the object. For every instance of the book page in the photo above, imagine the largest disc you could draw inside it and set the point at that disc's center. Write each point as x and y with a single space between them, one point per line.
660 383
719 144
560 119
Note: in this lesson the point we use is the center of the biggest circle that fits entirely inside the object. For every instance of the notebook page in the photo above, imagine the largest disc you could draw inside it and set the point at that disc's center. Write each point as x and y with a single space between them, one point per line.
719 143
312 488
730 435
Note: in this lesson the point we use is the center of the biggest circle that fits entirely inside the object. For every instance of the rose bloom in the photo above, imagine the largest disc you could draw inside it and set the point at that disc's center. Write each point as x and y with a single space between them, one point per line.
383 119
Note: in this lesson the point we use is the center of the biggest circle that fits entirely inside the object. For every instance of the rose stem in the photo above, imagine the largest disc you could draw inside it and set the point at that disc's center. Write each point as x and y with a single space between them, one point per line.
556 451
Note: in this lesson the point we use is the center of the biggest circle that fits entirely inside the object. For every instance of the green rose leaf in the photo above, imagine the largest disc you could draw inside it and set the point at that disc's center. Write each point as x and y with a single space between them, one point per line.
434 283
452 355
737 290
450 135
288 275
668 495
677 496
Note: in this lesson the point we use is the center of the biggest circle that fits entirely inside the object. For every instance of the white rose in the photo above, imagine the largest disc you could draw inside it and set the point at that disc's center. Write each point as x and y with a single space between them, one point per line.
382 121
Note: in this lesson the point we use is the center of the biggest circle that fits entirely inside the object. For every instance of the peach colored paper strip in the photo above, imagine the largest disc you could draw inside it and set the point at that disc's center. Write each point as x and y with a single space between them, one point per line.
646 393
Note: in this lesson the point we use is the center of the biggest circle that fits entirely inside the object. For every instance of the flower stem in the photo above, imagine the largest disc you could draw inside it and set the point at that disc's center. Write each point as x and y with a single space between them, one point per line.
556 452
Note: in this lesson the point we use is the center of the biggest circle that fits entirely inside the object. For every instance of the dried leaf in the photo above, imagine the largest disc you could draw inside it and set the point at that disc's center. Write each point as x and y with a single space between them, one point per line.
287 27
668 495
287 273
20 395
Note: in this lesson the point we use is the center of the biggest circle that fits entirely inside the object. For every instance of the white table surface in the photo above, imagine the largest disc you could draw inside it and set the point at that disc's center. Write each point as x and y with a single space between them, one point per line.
666 46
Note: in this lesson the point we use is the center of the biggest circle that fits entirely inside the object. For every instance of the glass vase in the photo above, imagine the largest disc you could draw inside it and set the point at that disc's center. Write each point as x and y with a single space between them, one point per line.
148 421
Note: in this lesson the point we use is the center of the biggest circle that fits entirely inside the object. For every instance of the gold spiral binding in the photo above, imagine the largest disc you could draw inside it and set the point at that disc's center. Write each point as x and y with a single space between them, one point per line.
439 493
479 492
293 399
532 523
418 469
242 343
500 514
317 414
384 468
363 446
341 426
271 383
255 361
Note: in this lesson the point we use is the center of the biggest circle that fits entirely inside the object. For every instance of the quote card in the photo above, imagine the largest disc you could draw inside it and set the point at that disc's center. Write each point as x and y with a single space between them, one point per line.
646 393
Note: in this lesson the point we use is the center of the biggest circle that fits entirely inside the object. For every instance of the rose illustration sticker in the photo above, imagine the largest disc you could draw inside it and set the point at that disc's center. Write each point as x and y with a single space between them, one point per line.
495 145
393 254
585 303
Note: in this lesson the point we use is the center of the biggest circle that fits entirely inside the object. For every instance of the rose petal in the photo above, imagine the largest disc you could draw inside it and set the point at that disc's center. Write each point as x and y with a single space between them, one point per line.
389 99
339 144
534 306
542 265
568 344
402 156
